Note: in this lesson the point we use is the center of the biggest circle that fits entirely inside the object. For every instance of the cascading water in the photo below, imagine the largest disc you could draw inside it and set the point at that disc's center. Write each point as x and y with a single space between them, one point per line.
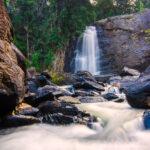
120 128
88 55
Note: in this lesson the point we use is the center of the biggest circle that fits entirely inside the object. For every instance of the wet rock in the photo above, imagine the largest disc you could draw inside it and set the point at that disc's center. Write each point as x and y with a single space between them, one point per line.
47 75
69 99
34 99
8 102
49 107
58 119
89 85
129 72
146 72
32 86
115 79
30 98
37 81
85 93
146 119
18 120
129 78
46 93
70 110
138 93
84 75
41 80
110 96
114 98
103 78
55 90
27 110
91 99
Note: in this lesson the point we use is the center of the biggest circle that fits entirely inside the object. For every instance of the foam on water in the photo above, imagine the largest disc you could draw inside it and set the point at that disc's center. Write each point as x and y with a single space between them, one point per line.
121 129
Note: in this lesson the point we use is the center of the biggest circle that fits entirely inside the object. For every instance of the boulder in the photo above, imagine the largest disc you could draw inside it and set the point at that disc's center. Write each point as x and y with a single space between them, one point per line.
69 99
125 40
84 75
18 120
103 78
110 96
12 77
146 119
138 92
89 85
42 80
49 107
58 119
146 71
83 92
55 90
32 86
26 109
91 99
129 72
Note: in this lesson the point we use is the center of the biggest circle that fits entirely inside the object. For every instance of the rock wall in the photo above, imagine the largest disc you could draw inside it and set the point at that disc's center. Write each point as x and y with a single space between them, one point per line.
124 40
127 40
11 75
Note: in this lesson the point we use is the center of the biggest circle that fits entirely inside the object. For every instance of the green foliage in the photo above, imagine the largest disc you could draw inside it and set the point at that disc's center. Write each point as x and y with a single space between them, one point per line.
35 60
140 5
42 27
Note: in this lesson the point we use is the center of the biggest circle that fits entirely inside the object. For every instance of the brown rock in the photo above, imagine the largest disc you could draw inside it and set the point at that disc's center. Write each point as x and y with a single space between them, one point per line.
69 99
11 75
5 24
26 109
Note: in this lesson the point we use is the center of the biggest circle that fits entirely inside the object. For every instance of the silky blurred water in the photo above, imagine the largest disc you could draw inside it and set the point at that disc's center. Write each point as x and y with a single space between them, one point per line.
120 128
88 56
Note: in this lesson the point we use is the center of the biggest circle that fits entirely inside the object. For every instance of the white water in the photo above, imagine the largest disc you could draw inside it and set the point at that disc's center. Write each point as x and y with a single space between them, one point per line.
120 128
87 58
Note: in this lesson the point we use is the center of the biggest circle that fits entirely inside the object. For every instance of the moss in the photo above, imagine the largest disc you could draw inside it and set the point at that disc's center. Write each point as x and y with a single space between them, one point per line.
57 78
147 35
147 31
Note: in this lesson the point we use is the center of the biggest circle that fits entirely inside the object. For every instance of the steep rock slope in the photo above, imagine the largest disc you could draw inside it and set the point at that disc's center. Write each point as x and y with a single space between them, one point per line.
127 40
11 75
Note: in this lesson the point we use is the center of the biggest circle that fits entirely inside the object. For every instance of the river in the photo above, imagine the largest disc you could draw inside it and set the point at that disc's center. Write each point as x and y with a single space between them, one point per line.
120 127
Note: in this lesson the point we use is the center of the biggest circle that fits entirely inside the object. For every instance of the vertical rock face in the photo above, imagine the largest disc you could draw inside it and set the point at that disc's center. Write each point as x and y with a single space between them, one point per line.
11 75
5 24
124 40
127 40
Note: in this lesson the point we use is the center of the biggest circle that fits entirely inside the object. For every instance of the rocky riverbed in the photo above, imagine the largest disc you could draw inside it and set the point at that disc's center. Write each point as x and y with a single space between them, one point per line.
46 102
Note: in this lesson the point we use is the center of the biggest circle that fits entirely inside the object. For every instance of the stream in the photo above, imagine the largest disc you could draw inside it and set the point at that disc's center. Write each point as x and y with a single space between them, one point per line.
119 127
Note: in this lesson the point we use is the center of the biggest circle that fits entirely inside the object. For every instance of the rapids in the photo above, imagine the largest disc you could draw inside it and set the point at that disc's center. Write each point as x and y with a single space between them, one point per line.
120 127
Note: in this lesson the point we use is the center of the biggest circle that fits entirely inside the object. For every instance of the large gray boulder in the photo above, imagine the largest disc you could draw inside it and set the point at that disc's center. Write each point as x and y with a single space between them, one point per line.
126 40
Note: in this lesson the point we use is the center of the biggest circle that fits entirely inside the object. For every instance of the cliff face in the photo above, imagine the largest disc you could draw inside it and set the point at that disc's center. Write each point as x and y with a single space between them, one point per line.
126 40
11 75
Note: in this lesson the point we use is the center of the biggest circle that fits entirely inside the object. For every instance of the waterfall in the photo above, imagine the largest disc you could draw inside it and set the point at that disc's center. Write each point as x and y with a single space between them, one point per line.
88 53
